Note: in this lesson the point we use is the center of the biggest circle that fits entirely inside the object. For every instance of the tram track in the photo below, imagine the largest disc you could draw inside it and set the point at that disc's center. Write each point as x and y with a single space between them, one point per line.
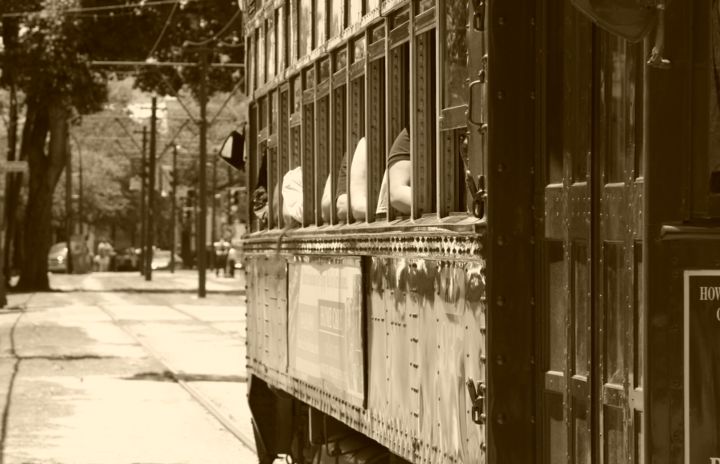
179 377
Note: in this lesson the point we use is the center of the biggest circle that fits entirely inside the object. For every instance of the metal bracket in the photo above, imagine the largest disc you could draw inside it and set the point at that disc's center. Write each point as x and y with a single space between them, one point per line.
477 398
477 188
656 59
479 15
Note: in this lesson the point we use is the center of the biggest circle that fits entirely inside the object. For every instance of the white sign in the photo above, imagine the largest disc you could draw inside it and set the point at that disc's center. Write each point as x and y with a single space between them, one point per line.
16 166
135 184
702 381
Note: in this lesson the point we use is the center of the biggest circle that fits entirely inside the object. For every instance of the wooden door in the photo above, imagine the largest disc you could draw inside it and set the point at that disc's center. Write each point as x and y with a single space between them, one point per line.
589 224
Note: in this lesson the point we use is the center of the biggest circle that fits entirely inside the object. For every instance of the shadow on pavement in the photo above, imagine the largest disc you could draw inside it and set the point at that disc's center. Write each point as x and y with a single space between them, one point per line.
149 291
168 376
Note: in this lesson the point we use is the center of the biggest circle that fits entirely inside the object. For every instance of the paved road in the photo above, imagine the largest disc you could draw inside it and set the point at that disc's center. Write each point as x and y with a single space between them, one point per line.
113 369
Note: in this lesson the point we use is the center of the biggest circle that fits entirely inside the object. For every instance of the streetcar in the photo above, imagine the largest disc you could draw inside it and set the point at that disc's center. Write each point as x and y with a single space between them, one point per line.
483 231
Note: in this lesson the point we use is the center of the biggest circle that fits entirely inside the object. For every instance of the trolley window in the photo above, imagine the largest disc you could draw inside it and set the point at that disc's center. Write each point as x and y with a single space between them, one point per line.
281 38
308 147
320 29
250 65
272 163
283 150
453 128
376 99
398 124
271 44
334 184
305 28
357 205
355 11
262 59
322 137
293 30
423 117
337 17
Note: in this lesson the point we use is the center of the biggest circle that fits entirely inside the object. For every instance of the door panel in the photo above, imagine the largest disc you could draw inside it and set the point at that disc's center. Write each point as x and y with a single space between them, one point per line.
590 229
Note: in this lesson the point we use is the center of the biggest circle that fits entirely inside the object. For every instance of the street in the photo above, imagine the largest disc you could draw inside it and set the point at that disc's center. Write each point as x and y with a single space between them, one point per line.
110 368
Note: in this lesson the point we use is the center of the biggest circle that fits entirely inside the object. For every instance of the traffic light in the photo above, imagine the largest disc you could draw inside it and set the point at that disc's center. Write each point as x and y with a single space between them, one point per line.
189 207
234 200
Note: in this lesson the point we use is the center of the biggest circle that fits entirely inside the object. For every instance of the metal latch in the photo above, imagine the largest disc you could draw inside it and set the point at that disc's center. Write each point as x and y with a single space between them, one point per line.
477 189
477 398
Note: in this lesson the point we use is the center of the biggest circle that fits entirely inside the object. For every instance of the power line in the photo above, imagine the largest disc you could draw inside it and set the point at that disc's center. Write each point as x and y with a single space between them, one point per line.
218 35
162 64
90 9
162 32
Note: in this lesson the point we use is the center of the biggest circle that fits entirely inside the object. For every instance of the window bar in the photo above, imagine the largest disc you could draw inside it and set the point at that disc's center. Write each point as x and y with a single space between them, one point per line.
442 208
368 201
389 136
251 149
308 170
415 198
333 169
272 161
349 142
284 147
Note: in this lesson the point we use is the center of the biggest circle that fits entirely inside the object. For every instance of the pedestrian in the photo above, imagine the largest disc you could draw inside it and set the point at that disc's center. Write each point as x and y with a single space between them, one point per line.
231 257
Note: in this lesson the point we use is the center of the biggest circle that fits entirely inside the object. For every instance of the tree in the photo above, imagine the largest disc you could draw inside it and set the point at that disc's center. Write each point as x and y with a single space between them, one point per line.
57 81
48 49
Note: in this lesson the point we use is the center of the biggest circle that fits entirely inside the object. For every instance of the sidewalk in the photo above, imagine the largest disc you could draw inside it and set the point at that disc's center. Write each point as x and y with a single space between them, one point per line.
117 369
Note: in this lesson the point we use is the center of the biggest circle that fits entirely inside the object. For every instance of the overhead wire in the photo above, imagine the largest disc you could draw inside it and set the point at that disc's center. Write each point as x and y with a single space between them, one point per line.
162 32
90 9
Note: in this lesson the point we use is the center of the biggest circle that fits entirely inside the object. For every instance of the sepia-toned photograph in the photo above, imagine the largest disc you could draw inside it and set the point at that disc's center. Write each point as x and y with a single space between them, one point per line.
360 232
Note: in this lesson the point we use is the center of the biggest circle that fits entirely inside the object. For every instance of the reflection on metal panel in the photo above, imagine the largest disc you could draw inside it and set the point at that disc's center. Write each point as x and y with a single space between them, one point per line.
267 313
426 339
325 326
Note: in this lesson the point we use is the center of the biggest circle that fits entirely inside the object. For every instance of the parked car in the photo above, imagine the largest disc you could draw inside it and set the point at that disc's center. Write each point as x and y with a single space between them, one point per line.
57 257
127 259
161 260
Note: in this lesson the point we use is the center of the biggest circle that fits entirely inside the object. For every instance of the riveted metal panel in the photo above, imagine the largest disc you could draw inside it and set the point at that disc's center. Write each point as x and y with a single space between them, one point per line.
510 218
425 338
267 312
427 326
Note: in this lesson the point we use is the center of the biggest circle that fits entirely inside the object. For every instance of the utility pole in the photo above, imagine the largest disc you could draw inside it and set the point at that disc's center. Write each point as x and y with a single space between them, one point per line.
143 180
202 197
11 181
151 192
213 225
80 189
68 201
174 209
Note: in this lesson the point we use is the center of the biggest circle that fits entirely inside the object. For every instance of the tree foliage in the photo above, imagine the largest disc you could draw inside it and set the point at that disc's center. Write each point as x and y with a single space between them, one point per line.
48 52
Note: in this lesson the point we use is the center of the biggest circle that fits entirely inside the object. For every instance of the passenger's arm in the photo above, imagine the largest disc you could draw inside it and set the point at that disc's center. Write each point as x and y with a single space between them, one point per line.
400 190
358 181
325 202
342 207
292 192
